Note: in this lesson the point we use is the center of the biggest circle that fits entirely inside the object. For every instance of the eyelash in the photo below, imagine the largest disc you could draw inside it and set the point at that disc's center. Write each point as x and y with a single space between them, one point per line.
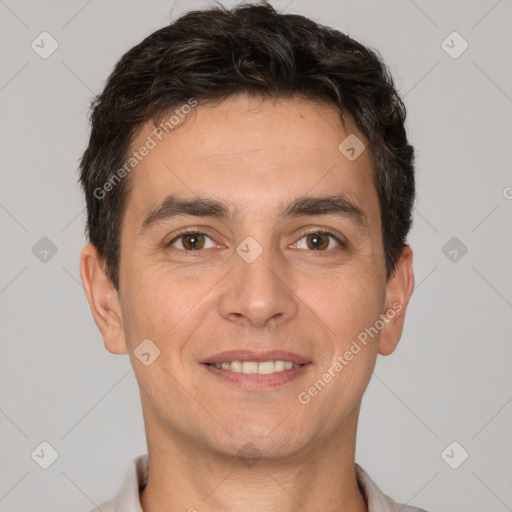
314 232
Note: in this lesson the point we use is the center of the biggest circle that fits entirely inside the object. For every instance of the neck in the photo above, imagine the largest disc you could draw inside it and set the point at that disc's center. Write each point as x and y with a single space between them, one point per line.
187 476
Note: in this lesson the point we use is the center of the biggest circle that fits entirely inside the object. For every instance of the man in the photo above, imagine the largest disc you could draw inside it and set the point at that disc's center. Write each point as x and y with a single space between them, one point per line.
249 187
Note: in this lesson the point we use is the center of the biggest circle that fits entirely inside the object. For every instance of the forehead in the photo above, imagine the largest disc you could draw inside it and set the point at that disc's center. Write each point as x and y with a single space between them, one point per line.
253 153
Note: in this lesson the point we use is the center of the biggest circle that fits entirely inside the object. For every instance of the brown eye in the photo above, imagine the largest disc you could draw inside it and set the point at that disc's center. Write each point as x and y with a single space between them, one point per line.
318 241
191 242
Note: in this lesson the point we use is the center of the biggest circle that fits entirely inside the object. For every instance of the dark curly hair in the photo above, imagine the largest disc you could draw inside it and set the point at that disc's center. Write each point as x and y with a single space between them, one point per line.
215 53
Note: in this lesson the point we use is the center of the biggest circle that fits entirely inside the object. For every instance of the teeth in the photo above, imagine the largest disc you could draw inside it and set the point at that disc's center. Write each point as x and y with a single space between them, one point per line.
249 367
262 367
266 367
279 366
236 366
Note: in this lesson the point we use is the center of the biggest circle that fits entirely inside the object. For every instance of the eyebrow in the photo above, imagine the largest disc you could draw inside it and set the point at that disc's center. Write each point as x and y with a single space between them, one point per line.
173 206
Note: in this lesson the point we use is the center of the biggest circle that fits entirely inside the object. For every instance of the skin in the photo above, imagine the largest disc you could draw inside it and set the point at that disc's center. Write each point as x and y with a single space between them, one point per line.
255 155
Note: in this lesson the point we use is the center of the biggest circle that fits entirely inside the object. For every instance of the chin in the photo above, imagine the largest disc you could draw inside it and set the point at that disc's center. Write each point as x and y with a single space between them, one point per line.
253 442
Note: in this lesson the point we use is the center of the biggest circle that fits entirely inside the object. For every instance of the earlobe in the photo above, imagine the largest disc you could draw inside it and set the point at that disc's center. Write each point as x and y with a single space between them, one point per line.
103 300
398 292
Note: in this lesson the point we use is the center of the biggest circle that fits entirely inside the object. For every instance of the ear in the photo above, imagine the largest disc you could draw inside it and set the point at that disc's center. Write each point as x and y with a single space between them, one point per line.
103 300
399 289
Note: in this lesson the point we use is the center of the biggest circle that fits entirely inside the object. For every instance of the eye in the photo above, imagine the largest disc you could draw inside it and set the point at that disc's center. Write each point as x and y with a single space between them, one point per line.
192 241
318 241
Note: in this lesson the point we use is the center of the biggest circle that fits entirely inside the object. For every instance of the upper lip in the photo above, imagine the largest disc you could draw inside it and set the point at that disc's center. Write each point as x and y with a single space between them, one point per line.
252 355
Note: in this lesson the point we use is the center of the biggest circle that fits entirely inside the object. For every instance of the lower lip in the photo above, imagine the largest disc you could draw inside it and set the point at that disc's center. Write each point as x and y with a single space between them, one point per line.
257 381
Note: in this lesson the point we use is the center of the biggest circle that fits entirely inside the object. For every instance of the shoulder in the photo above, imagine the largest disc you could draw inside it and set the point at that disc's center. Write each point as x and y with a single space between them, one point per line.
127 499
376 499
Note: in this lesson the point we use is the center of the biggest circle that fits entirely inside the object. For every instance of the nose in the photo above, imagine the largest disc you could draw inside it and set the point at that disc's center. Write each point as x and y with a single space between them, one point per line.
259 293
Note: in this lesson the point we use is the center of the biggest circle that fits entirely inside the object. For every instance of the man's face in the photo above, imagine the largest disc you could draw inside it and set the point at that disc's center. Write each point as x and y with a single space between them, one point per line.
258 284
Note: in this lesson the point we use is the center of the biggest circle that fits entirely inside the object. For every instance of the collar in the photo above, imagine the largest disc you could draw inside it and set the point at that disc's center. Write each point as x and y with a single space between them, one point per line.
137 475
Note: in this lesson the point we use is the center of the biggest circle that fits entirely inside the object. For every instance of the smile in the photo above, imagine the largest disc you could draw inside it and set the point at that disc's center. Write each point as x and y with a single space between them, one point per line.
260 367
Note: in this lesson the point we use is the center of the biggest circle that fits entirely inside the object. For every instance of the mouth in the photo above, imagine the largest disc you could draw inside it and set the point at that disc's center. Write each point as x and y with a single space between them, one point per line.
252 367
256 371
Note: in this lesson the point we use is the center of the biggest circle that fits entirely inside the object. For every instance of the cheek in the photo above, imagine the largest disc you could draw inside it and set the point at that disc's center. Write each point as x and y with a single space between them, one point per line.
348 303
165 307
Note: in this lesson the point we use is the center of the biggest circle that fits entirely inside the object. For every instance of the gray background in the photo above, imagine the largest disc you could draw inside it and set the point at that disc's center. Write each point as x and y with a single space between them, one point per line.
449 379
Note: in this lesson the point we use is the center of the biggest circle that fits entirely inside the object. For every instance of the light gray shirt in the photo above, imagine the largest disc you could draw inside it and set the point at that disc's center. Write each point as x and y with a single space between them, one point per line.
136 478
